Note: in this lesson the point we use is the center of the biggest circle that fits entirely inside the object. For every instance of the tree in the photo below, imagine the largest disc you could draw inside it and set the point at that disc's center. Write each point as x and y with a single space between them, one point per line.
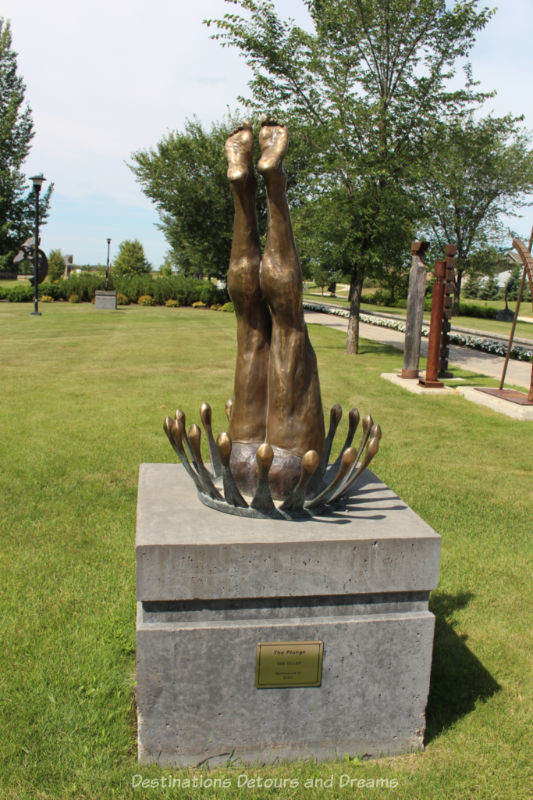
16 133
321 276
476 171
130 259
56 265
167 267
359 92
185 175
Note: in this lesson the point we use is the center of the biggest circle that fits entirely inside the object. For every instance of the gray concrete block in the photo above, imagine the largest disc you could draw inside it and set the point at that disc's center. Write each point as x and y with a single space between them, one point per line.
185 550
212 586
106 300
198 701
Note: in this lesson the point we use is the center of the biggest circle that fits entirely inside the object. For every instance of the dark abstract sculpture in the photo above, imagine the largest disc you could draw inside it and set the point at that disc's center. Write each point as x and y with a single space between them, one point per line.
276 447
27 253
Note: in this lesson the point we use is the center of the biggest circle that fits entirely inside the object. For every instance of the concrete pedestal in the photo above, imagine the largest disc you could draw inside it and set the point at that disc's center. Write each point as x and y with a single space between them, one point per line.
211 586
105 299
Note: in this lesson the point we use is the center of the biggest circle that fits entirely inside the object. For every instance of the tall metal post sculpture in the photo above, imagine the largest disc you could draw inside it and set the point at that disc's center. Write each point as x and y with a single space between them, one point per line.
276 447
415 311
107 265
449 285
435 329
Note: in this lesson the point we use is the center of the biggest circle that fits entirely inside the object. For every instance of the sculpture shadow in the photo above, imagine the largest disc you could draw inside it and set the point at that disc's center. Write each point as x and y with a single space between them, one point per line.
458 679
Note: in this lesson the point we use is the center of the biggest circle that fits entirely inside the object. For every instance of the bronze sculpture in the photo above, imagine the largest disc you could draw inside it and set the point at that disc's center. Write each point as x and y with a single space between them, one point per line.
276 445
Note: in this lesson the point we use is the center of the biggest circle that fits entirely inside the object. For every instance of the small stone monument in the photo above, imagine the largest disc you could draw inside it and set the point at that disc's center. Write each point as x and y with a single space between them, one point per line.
103 299
295 623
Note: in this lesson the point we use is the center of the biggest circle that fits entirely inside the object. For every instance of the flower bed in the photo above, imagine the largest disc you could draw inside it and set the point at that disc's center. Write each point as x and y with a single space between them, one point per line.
484 345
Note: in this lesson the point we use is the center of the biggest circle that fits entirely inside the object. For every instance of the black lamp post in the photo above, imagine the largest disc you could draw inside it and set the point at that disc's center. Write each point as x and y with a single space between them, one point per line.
38 181
107 265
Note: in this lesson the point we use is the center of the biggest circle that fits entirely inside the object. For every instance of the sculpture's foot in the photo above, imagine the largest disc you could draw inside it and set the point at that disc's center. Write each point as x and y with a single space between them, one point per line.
273 141
239 152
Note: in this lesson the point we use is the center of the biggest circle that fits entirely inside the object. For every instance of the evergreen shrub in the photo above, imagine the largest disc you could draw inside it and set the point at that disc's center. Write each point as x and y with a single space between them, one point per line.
53 290
84 285
21 293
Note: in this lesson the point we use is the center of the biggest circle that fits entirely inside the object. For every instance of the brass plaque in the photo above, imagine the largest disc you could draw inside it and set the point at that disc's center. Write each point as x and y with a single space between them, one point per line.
286 664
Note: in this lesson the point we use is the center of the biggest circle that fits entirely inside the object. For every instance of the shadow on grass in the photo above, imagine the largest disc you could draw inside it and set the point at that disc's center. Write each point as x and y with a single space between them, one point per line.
458 679
472 379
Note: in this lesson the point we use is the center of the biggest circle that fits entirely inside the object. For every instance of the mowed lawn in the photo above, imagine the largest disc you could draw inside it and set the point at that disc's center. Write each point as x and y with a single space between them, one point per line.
84 395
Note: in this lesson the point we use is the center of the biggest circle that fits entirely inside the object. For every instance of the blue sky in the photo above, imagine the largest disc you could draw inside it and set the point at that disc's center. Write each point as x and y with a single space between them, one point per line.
110 77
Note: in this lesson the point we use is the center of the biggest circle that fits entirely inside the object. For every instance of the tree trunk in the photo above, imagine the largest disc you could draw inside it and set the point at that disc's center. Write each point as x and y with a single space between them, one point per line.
356 289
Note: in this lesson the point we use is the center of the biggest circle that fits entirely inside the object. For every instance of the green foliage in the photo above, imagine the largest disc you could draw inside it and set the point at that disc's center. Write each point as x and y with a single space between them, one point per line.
171 303
383 297
321 276
178 287
360 93
146 300
228 307
512 285
476 310
130 260
20 293
185 176
489 289
56 265
475 171
168 266
54 290
84 285
122 299
16 133
74 298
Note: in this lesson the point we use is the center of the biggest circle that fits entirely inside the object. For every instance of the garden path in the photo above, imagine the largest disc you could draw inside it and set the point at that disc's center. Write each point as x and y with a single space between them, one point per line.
518 372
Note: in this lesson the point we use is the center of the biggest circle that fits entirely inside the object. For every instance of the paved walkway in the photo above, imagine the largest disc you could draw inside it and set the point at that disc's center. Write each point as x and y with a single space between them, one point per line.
518 372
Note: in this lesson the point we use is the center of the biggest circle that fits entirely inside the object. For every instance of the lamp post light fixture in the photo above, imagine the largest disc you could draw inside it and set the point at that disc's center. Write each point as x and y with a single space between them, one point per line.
107 265
38 181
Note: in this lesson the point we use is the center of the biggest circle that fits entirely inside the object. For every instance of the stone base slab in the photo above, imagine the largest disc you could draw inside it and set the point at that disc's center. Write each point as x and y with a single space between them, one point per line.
210 587
497 404
412 384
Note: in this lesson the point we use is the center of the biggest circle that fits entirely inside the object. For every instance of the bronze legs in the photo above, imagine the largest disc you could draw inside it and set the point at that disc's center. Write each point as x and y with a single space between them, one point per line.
277 393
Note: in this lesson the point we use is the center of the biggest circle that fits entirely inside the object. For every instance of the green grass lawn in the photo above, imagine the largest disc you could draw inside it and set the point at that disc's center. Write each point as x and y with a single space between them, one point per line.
84 394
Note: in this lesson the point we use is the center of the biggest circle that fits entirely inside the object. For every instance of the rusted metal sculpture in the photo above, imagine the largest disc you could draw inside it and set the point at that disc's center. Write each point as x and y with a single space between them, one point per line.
511 394
435 327
275 448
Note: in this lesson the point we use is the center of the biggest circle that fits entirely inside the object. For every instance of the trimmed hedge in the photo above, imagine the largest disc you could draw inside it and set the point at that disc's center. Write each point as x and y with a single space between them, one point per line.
382 298
185 291
21 293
